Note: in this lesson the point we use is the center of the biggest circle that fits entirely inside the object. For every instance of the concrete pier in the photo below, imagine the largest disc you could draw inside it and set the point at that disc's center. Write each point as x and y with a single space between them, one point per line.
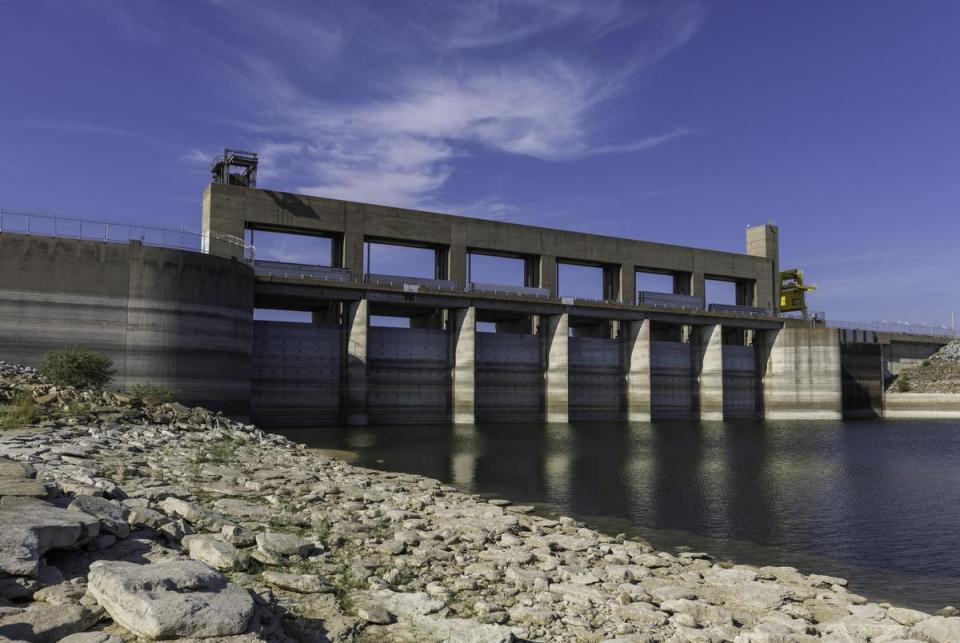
803 379
356 390
463 385
637 369
556 339
709 348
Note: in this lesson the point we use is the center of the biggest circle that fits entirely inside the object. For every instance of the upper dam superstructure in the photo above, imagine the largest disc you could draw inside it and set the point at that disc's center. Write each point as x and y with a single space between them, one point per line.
185 320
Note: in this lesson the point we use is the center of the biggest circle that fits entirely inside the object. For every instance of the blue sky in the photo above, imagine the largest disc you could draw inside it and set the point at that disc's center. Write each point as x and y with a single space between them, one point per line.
675 121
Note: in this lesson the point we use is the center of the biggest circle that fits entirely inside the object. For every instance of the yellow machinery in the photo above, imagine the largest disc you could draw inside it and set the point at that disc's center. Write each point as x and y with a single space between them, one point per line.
793 291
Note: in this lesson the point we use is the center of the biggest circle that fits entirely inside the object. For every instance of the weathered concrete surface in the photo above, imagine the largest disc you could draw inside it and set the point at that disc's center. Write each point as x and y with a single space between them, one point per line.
556 339
637 371
171 318
464 384
229 209
802 379
297 374
710 379
356 331
922 406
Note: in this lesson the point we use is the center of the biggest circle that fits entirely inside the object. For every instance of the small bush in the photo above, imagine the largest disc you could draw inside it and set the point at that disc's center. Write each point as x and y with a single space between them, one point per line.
903 384
149 391
77 367
21 413
925 363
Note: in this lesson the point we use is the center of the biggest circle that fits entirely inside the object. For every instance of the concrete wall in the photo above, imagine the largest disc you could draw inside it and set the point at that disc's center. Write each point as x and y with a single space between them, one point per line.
711 365
742 396
408 375
166 317
861 380
802 378
673 383
595 379
296 374
509 378
898 355
230 209
935 406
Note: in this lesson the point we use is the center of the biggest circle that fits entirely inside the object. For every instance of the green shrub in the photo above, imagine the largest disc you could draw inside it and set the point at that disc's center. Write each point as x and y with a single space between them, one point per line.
77 367
21 413
903 384
149 391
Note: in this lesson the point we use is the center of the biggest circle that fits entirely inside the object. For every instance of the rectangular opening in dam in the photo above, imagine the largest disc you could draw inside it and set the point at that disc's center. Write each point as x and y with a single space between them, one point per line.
381 258
275 314
389 321
580 281
495 269
660 282
721 291
291 247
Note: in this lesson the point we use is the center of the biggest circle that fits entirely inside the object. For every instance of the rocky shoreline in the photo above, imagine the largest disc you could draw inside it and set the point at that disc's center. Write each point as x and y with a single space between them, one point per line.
127 521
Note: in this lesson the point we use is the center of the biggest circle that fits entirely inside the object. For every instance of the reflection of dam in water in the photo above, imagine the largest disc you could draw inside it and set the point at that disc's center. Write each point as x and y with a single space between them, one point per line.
805 494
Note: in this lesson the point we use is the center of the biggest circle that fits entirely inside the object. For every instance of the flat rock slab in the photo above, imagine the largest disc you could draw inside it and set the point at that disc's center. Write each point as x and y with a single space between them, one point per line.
13 469
435 628
24 487
215 551
30 529
92 637
112 516
170 600
282 544
47 623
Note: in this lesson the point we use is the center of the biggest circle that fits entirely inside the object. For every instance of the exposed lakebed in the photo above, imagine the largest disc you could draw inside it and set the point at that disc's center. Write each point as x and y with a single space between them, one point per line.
873 501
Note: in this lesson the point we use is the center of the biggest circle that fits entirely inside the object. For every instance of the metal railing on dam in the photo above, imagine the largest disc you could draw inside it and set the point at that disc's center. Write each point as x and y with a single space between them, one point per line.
905 328
301 271
48 225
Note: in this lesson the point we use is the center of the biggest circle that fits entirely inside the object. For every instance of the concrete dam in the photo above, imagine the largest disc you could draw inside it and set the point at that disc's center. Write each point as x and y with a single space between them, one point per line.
184 319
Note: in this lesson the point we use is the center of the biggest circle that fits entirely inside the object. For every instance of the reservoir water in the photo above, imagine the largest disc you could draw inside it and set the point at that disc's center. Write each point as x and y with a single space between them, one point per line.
877 502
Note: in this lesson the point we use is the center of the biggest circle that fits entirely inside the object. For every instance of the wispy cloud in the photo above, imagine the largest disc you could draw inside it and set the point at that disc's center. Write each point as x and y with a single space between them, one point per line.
395 136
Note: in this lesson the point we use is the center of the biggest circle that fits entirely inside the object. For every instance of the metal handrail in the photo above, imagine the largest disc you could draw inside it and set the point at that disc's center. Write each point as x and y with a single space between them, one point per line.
740 310
400 281
301 271
904 327
46 225
504 289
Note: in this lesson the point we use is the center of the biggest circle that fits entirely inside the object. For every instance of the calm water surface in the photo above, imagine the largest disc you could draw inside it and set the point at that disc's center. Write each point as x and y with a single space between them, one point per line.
874 501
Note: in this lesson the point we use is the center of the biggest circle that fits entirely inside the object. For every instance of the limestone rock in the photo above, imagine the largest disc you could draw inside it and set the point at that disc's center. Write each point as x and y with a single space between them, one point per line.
92 637
169 600
461 630
375 615
216 552
281 544
937 629
403 604
302 583
30 529
22 487
42 622
13 469
112 516
532 615
238 536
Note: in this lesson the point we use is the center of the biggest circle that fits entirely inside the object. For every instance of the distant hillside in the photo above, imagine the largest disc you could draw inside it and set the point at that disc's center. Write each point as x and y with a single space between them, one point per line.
938 374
